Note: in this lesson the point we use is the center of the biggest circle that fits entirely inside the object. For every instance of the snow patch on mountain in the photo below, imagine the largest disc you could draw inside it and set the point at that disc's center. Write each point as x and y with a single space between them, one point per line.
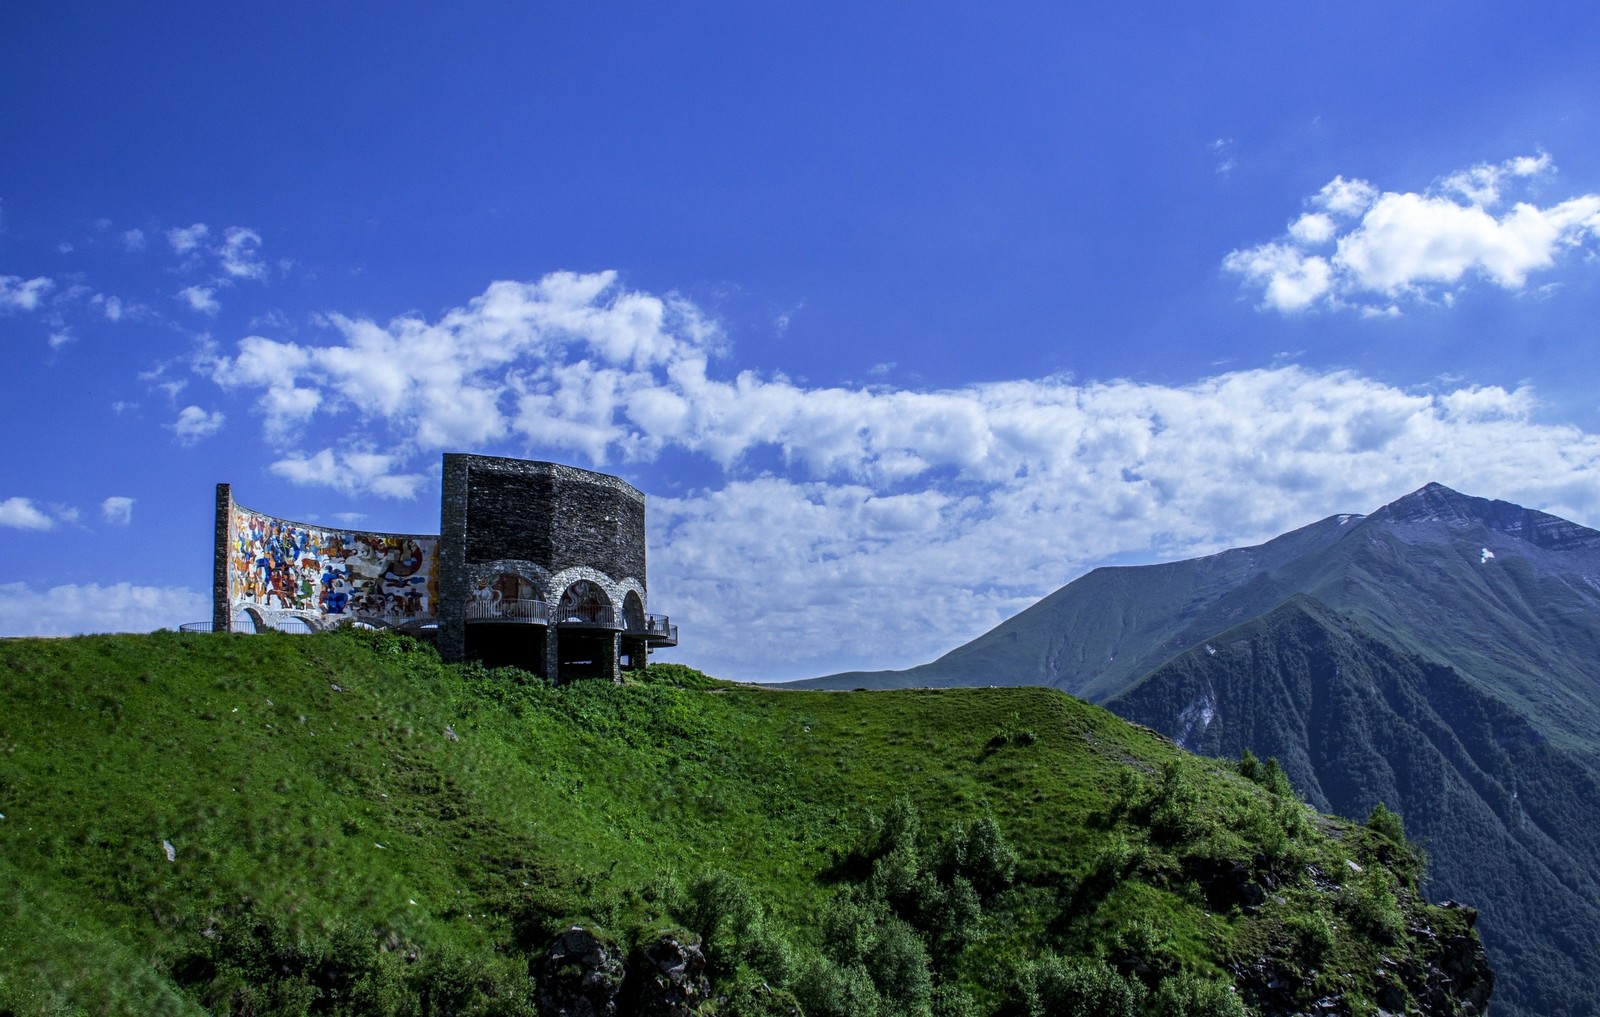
1195 718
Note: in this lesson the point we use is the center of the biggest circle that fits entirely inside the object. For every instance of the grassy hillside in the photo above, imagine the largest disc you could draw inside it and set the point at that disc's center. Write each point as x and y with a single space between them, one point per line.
340 824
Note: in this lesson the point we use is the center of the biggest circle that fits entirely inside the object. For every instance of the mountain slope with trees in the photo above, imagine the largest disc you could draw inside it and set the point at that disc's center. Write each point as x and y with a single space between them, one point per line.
1438 655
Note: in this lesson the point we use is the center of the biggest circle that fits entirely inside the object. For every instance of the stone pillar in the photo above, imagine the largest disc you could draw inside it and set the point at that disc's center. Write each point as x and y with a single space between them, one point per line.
452 607
221 603
552 650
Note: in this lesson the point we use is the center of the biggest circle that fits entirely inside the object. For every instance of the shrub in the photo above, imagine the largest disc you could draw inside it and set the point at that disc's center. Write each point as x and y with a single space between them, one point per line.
980 853
1369 903
1385 822
898 964
1175 814
1053 986
826 989
733 926
1312 934
1188 995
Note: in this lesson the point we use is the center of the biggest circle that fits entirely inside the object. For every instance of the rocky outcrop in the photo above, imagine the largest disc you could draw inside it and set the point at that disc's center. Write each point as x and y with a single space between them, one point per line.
583 974
667 977
1450 977
580 975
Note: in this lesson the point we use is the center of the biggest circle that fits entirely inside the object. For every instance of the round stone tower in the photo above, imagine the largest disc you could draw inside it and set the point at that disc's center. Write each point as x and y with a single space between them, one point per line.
542 566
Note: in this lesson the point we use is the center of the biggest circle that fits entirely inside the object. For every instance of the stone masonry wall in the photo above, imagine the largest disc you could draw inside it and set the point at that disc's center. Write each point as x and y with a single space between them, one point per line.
569 523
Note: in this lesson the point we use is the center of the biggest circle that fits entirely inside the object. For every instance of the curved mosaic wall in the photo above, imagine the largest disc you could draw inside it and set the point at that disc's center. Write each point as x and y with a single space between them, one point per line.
279 569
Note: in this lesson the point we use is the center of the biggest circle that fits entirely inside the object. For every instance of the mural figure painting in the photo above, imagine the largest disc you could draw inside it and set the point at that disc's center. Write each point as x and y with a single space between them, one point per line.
287 569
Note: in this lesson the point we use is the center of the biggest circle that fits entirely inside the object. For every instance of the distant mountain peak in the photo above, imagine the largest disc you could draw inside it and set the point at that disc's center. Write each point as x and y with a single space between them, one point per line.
1435 503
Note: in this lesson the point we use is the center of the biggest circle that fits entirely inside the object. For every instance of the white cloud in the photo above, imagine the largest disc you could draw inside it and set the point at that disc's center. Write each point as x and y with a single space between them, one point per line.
880 518
1393 247
19 294
1222 149
62 337
117 510
20 513
194 423
1312 229
189 238
350 472
121 607
200 298
240 253
843 575
1345 197
133 240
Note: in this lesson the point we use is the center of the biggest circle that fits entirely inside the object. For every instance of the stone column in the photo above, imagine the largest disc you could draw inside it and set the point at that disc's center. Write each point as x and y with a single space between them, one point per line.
452 608
221 603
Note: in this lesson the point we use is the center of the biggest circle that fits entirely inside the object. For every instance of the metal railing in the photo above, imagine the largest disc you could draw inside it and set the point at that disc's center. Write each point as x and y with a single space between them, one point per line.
526 612
655 628
287 623
239 625
594 616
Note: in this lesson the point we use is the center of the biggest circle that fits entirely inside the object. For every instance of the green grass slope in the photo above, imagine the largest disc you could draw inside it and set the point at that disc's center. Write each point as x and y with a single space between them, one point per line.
341 824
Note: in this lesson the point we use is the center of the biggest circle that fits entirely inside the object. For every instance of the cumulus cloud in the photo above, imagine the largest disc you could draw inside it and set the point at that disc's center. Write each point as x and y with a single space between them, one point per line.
876 525
187 239
117 510
1370 250
240 254
200 298
120 607
497 368
22 514
194 423
19 294
350 472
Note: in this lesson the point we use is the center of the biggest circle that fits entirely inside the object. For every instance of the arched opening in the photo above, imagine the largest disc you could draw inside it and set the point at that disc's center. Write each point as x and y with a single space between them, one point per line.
585 603
506 622
506 597
587 638
635 650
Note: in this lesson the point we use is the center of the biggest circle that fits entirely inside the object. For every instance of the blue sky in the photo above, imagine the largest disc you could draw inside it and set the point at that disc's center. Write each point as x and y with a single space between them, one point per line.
901 319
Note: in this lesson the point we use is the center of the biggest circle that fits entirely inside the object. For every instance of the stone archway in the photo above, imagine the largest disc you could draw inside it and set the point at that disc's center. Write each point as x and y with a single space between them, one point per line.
586 630
585 603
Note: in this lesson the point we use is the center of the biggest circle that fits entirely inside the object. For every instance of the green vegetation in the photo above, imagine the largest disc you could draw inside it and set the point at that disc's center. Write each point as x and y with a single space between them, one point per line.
340 824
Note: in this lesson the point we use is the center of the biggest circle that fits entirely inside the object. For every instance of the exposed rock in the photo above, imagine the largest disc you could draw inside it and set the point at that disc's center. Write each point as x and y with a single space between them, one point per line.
1270 986
580 975
1226 883
667 977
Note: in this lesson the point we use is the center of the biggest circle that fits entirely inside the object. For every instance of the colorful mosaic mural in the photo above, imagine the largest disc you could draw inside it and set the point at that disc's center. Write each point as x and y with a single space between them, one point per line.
280 567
